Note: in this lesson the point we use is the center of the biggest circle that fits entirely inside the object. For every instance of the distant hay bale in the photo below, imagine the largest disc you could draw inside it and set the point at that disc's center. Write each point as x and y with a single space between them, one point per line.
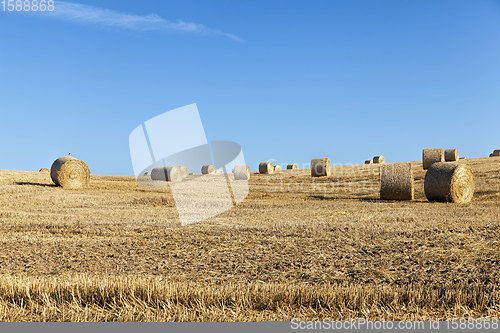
241 172
369 162
496 152
147 173
170 174
291 166
320 167
277 168
378 160
44 170
451 155
69 172
266 167
192 173
397 182
207 169
449 182
431 156
463 158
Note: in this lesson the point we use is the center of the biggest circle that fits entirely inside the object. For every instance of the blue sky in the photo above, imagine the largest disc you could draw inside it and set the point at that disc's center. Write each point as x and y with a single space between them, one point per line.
288 80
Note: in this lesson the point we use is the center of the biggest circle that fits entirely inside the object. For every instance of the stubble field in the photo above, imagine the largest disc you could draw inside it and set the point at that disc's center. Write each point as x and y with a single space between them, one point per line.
296 247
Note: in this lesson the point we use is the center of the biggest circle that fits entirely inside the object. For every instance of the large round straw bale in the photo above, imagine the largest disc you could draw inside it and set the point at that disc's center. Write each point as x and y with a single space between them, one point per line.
496 152
369 162
241 172
397 182
171 173
320 167
291 166
207 170
69 172
277 168
451 155
266 167
44 170
449 182
430 156
378 159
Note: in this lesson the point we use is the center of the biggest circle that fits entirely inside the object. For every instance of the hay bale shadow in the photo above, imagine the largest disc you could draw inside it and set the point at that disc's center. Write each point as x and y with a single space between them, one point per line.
36 184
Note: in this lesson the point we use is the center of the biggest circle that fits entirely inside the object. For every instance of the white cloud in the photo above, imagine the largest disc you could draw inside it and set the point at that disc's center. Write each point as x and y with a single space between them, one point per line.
74 12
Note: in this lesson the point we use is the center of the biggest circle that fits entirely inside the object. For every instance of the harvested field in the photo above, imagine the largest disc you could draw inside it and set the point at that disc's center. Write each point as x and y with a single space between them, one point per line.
296 247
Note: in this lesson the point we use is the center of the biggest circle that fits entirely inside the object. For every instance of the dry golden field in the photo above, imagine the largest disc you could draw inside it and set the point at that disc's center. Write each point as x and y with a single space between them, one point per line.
296 247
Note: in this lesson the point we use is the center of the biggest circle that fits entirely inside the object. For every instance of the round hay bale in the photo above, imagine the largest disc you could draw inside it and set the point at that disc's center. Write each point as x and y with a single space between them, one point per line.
378 159
496 152
69 172
266 167
463 158
207 170
451 155
431 156
449 182
369 162
241 172
292 166
44 170
397 182
147 173
491 155
277 168
320 167
170 174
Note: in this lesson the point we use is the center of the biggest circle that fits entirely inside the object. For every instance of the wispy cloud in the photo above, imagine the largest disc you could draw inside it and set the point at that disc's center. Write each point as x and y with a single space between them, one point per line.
74 12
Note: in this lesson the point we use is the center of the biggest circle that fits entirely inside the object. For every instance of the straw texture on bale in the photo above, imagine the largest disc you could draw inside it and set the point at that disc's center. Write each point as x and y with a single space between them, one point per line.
378 159
449 182
397 182
266 167
496 152
451 155
185 170
171 173
44 170
369 162
291 166
69 172
241 172
277 168
431 156
320 167
207 170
